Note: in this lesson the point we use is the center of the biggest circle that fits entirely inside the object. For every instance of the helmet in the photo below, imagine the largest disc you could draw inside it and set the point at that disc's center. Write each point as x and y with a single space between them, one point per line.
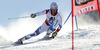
54 6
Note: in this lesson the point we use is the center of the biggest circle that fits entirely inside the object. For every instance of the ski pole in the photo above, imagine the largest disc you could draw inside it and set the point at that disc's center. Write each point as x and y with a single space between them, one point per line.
76 23
18 17
68 17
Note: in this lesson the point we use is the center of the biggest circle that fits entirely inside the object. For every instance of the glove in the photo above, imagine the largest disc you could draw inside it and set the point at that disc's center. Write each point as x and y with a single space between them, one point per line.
33 15
54 34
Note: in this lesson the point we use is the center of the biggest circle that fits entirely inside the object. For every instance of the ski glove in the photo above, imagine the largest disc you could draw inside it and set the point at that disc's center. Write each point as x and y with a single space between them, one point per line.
33 15
54 34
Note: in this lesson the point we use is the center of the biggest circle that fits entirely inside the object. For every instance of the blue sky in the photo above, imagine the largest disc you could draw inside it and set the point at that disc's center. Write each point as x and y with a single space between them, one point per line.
15 8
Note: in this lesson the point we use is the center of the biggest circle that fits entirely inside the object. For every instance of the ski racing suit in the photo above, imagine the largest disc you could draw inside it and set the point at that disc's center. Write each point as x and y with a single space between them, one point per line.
52 22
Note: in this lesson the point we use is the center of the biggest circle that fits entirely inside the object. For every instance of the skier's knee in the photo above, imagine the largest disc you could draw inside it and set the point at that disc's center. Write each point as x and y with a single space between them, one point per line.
37 32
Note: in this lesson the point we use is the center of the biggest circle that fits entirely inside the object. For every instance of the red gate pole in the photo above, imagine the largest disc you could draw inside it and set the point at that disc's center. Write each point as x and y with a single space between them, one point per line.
72 28
98 8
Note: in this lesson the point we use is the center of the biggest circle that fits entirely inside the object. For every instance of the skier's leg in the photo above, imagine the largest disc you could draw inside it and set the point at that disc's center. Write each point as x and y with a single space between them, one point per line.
41 29
20 41
49 31
37 32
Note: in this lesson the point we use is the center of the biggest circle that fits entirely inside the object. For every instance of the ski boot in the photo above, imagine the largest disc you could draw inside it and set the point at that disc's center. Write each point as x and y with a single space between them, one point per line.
46 37
19 41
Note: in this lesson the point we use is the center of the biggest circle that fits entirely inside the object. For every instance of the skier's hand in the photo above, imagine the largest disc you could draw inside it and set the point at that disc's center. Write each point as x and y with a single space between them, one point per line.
33 15
54 34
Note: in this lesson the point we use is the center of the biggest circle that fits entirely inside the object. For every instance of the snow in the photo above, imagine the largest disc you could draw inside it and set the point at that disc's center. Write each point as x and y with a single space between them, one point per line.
84 39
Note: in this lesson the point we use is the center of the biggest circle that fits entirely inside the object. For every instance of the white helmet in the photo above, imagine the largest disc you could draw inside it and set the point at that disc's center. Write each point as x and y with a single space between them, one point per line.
54 6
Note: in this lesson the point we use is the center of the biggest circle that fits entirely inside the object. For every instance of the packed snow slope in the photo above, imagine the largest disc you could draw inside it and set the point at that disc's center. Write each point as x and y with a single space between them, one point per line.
84 39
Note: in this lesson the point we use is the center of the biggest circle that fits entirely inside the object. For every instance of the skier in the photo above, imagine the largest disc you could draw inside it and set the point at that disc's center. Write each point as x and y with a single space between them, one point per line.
52 24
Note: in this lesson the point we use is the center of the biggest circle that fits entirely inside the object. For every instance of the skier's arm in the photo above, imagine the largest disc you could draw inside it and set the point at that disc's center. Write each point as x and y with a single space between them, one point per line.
60 25
55 33
58 29
39 13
